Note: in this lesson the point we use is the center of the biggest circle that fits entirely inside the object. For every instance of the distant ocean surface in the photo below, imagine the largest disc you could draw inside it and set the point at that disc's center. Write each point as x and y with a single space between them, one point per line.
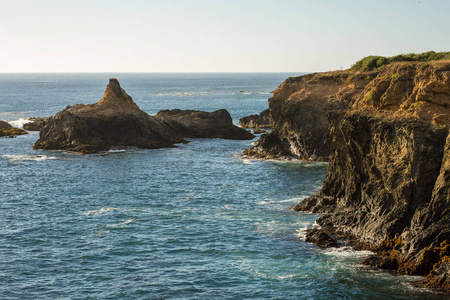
199 221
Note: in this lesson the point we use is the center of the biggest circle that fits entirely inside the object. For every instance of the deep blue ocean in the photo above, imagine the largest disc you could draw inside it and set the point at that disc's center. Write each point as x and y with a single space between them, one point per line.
199 221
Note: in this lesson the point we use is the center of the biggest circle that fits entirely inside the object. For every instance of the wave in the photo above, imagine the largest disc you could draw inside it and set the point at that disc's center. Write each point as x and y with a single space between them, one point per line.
252 93
100 211
127 221
183 94
16 158
20 122
347 252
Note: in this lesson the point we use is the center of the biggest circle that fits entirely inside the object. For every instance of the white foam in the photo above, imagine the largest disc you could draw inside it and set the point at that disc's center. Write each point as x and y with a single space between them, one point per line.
100 211
19 123
127 221
346 252
301 233
183 94
16 158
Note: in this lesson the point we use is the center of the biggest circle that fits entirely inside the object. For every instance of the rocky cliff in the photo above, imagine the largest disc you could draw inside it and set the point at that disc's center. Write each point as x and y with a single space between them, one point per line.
388 180
116 121
299 108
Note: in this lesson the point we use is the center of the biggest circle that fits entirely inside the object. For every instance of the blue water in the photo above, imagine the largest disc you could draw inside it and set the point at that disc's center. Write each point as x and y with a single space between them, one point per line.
199 221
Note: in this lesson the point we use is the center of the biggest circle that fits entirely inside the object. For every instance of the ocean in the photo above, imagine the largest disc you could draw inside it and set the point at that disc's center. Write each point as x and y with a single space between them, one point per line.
199 221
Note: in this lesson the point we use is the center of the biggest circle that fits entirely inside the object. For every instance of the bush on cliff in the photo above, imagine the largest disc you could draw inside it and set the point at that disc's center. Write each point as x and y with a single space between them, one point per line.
372 62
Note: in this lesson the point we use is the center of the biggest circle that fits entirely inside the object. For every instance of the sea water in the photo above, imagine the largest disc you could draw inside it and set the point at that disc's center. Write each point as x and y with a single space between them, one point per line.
199 221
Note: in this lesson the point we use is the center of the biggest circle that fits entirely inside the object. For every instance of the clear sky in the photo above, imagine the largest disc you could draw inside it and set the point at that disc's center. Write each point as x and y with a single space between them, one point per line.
214 35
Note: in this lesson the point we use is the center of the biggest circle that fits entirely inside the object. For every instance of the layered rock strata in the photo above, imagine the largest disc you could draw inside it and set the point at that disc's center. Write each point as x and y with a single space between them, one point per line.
388 180
116 121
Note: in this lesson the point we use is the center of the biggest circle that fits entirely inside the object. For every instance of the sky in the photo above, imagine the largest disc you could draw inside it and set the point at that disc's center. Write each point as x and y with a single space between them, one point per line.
214 35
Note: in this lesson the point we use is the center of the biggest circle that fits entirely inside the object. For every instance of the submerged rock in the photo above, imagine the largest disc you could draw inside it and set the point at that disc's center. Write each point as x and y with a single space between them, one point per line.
117 121
9 131
256 121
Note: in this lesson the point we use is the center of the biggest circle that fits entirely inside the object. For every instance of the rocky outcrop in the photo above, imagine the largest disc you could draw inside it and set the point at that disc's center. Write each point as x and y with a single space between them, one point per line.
256 121
34 124
299 108
388 180
116 121
9 131
113 121
200 124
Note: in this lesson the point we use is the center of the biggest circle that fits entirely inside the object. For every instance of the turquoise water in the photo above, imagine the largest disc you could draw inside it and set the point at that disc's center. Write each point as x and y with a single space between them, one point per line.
199 221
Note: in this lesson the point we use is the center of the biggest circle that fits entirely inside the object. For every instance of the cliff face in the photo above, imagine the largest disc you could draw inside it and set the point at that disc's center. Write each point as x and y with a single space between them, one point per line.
388 179
299 108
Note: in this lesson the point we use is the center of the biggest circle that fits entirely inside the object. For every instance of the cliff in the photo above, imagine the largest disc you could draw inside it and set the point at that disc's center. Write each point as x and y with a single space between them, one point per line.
387 183
116 121
299 108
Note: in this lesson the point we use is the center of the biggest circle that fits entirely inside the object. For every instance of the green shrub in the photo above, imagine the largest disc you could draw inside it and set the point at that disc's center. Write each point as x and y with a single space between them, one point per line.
372 62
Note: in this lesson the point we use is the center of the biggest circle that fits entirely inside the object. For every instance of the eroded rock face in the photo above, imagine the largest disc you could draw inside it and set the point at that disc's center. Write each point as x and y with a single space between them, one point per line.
299 109
9 131
257 121
116 121
389 175
200 124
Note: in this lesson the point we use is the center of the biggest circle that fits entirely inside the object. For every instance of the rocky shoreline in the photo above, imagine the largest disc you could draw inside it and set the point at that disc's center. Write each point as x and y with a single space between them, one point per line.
386 136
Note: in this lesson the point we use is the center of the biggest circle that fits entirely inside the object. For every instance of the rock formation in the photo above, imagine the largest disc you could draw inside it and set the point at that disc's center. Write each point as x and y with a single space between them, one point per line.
117 121
34 124
388 180
7 130
256 121
200 124
299 108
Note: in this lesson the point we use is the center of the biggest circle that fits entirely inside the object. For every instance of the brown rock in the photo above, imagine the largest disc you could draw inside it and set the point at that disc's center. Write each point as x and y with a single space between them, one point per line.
34 124
7 130
256 121
200 124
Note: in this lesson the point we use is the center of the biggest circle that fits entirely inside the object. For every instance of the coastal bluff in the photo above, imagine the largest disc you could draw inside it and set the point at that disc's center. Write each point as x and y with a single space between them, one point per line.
385 133
116 121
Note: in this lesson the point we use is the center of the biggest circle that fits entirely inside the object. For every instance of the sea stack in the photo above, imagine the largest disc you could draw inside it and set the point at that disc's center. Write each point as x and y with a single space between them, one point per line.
113 121
116 121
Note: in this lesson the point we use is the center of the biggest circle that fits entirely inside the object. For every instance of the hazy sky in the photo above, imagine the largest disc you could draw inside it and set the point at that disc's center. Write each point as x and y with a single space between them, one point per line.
214 35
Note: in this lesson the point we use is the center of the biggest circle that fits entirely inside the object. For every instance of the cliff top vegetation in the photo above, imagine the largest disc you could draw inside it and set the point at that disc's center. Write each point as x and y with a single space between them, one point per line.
370 63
